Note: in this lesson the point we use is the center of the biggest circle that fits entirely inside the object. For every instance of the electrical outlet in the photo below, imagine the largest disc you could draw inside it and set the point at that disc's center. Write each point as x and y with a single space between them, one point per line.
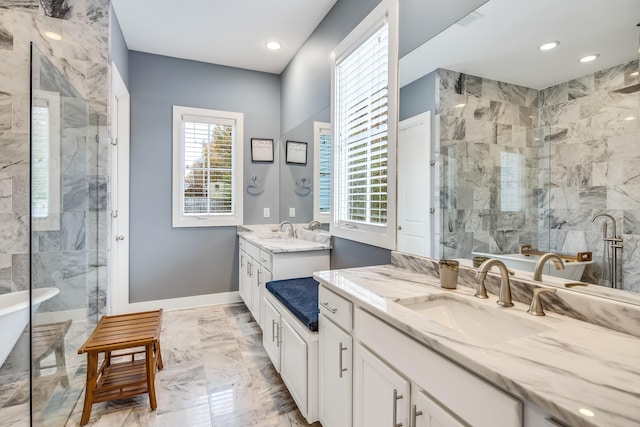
292 212
266 212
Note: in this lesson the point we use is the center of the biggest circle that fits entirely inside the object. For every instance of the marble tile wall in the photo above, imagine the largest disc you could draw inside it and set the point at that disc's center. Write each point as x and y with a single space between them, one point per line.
595 166
82 59
580 153
477 119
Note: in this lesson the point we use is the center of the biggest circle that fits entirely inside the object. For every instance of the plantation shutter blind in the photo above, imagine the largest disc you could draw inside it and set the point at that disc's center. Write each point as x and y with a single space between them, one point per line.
40 154
361 128
325 171
208 180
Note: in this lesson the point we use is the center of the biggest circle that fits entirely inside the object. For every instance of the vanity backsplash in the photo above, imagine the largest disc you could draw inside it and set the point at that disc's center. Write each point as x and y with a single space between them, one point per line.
617 315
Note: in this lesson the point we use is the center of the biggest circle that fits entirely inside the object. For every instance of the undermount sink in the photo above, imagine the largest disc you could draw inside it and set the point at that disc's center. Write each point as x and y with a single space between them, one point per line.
476 322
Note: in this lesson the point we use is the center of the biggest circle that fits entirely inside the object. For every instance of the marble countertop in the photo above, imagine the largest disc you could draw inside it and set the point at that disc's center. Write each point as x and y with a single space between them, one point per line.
571 370
275 242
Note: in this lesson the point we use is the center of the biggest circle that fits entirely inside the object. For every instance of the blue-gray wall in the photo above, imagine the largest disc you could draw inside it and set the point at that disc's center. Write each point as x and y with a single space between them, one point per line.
418 96
118 50
306 82
168 262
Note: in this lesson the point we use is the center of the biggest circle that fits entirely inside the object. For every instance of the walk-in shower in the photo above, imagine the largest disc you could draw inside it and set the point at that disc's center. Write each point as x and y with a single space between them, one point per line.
43 376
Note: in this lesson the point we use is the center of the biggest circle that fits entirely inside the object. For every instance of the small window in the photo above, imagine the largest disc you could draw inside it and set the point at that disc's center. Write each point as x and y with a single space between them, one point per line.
322 171
207 167
45 161
511 166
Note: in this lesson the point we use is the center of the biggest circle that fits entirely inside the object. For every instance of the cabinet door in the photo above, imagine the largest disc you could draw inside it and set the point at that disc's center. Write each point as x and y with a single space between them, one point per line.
243 279
425 412
293 364
271 335
265 276
256 292
335 374
381 395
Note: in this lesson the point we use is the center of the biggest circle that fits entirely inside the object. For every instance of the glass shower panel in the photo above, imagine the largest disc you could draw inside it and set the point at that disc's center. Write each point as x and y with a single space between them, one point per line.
65 205
494 193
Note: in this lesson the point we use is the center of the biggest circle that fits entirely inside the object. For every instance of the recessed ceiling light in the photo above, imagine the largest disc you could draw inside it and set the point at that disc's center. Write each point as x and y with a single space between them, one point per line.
549 45
628 119
459 105
634 74
52 35
589 58
273 45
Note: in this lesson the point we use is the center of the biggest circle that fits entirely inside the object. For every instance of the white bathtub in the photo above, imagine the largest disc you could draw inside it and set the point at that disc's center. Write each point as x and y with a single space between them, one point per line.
572 269
14 315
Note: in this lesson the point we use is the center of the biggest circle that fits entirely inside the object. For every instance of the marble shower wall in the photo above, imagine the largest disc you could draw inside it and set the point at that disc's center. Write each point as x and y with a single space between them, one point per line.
580 149
476 121
595 166
82 57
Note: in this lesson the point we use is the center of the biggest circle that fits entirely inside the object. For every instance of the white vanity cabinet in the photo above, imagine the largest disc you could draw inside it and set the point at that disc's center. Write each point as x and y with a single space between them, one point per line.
445 393
257 266
335 364
255 271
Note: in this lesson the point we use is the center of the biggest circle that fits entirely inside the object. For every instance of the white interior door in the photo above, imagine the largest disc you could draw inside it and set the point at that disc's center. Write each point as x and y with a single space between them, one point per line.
119 257
415 230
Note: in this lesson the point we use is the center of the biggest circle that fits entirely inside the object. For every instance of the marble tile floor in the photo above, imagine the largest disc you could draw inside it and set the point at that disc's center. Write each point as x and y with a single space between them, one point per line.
216 373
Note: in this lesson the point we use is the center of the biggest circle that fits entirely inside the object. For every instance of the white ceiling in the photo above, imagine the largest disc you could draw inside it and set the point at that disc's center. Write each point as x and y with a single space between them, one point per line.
503 44
225 32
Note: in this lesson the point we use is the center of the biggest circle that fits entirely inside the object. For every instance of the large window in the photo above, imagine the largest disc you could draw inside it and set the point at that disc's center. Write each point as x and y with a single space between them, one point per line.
365 116
207 167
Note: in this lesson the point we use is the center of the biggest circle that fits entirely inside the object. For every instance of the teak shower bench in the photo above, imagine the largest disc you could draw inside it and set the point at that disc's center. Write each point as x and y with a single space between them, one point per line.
112 381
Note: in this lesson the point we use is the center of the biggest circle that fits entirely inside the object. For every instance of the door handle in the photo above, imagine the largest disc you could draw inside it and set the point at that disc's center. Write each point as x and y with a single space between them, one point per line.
340 360
396 397
119 237
414 415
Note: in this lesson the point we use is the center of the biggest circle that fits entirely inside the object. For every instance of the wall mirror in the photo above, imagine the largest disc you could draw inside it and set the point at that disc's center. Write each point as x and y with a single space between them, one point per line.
297 181
531 144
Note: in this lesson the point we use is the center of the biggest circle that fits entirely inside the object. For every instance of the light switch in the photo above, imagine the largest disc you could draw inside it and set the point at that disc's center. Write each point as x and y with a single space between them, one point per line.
266 212
292 212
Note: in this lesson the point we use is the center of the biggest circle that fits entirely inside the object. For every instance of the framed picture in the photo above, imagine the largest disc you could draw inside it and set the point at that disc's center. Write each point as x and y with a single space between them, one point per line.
262 150
297 152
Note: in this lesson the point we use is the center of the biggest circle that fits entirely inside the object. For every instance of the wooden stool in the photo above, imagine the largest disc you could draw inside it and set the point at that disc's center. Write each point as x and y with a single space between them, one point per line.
113 381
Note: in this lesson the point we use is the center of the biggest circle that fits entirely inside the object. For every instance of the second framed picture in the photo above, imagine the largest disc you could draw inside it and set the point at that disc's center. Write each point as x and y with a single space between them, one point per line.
297 152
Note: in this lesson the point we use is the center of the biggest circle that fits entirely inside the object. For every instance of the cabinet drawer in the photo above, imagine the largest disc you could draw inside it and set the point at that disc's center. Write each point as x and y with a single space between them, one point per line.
252 250
266 259
336 308
241 244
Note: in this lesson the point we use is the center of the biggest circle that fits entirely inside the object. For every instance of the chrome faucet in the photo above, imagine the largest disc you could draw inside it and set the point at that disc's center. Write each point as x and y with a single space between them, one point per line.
557 262
604 224
615 245
313 225
504 297
292 232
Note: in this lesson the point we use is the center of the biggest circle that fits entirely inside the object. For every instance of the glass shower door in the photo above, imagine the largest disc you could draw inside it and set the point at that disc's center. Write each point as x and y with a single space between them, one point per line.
65 255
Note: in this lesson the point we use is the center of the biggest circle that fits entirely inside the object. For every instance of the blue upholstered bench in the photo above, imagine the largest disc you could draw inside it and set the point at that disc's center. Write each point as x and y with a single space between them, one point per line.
300 296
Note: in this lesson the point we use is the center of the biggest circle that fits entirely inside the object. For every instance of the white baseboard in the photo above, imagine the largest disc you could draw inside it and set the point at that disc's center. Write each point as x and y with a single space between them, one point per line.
182 303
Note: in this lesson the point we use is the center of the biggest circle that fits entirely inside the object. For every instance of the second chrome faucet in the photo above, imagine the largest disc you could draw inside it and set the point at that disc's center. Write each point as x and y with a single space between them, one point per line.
504 297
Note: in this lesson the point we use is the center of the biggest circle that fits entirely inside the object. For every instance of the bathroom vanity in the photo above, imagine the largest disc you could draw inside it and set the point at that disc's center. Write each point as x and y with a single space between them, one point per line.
265 255
397 349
